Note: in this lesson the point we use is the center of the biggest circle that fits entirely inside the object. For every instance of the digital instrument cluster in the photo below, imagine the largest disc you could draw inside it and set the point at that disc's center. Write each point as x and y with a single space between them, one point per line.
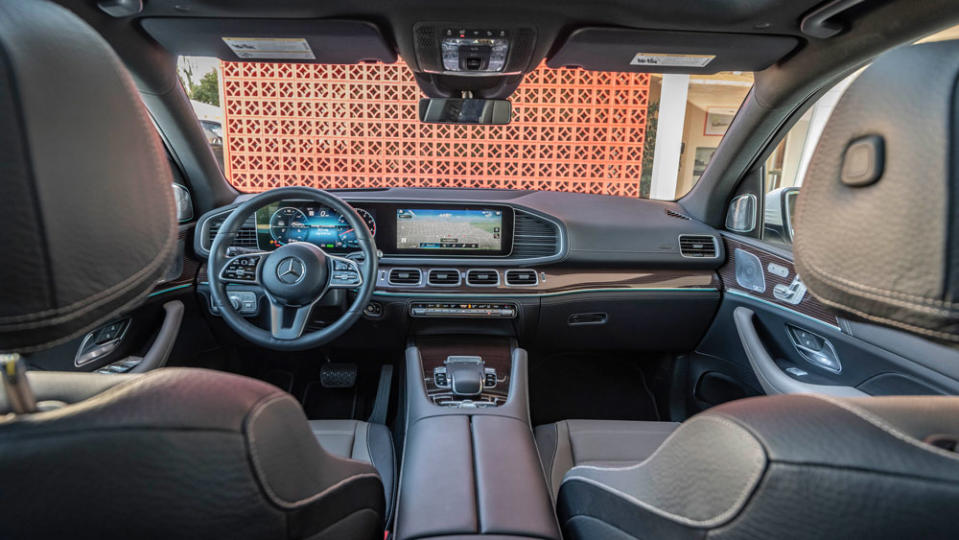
285 222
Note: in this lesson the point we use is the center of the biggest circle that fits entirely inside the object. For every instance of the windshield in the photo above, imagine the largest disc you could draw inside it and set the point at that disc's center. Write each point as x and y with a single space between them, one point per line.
356 126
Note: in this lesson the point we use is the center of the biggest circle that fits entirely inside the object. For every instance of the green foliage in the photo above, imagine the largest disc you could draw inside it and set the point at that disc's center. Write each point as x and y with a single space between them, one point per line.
208 90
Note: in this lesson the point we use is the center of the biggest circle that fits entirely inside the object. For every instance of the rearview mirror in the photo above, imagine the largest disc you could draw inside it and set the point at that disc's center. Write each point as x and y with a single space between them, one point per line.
465 111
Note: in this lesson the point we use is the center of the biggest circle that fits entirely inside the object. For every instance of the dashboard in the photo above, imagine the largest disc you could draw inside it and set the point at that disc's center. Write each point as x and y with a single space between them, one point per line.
580 269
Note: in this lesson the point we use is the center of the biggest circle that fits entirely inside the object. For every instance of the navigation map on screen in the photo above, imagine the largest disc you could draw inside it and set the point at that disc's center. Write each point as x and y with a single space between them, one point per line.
462 229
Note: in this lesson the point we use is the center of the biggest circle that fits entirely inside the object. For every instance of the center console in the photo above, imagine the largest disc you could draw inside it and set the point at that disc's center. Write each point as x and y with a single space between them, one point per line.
470 465
451 365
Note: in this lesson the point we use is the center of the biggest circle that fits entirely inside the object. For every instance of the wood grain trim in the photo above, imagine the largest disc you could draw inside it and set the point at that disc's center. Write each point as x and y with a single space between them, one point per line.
565 280
809 306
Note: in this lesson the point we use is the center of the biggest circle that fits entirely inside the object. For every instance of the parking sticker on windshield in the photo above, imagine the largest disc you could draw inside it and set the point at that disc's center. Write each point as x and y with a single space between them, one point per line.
672 60
270 48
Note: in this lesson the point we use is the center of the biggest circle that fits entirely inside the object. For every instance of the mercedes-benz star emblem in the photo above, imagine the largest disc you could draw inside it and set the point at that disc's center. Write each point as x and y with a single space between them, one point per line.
290 270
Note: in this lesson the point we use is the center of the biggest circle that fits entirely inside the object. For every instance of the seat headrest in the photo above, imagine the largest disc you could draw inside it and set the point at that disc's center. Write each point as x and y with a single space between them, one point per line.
86 190
877 220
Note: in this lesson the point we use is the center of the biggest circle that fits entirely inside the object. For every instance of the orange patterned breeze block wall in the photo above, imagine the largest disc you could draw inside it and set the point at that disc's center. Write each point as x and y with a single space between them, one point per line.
356 126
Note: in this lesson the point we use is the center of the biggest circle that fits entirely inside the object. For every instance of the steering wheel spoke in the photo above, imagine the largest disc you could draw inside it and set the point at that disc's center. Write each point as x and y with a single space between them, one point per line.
243 269
344 273
288 322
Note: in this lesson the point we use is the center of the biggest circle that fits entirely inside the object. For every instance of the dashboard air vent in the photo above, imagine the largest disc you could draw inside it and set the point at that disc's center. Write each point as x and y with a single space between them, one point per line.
405 276
245 237
672 213
691 245
482 278
443 277
521 278
534 236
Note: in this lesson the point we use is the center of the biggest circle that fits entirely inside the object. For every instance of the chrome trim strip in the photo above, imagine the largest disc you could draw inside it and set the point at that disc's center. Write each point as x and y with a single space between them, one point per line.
737 292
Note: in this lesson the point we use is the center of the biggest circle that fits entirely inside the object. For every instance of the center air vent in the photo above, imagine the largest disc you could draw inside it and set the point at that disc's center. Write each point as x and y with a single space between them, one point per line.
697 246
245 236
405 276
482 278
443 277
521 278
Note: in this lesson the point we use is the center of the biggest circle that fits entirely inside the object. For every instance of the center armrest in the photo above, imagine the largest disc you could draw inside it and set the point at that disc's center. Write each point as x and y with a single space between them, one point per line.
473 475
472 472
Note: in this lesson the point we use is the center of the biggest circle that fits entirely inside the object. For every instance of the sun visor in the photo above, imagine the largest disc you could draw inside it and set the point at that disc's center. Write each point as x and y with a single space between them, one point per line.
654 51
272 40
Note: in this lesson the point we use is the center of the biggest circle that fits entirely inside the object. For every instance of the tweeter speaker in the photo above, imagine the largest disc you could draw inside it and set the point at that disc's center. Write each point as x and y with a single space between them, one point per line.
749 271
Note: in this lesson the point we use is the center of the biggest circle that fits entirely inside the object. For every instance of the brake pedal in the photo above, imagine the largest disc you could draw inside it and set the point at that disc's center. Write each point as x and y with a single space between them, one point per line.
338 375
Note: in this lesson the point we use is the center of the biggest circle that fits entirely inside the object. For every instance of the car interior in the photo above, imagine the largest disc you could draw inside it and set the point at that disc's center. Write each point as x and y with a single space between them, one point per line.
606 269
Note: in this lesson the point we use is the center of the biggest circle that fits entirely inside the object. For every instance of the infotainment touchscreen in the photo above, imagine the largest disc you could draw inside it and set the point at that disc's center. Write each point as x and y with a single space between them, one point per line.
427 230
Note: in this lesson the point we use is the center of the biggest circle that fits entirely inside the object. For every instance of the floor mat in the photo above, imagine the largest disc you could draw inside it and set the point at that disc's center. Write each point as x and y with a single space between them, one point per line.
596 386
321 403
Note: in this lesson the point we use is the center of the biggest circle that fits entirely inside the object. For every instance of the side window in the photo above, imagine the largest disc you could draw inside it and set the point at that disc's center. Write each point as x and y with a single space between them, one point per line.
785 168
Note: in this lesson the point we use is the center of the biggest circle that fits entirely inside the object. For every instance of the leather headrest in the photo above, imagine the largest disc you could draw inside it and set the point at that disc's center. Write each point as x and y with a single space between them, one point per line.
86 192
877 220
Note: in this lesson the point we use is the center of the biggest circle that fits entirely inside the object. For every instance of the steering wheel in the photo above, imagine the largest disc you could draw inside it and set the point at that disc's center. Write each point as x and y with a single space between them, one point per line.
294 277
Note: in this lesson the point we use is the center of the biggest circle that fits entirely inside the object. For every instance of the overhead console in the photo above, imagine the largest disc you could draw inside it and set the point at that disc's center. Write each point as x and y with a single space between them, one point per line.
467 49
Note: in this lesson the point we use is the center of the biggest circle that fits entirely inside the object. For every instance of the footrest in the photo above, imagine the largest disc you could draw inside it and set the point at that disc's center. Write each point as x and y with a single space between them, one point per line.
338 375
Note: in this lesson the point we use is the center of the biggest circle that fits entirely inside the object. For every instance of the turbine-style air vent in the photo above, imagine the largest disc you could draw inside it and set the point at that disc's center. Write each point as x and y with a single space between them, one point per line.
443 277
521 278
482 278
698 246
405 276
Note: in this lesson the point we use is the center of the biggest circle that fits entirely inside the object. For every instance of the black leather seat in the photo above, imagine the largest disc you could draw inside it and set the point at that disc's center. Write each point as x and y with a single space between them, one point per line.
91 228
600 443
362 441
877 241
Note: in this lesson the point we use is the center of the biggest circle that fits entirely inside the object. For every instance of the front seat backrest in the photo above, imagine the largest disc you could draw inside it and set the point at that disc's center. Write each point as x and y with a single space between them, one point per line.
877 220
86 195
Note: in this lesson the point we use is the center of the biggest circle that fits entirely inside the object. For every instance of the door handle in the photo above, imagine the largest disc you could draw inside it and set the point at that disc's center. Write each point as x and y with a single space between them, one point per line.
816 349
162 346
771 378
